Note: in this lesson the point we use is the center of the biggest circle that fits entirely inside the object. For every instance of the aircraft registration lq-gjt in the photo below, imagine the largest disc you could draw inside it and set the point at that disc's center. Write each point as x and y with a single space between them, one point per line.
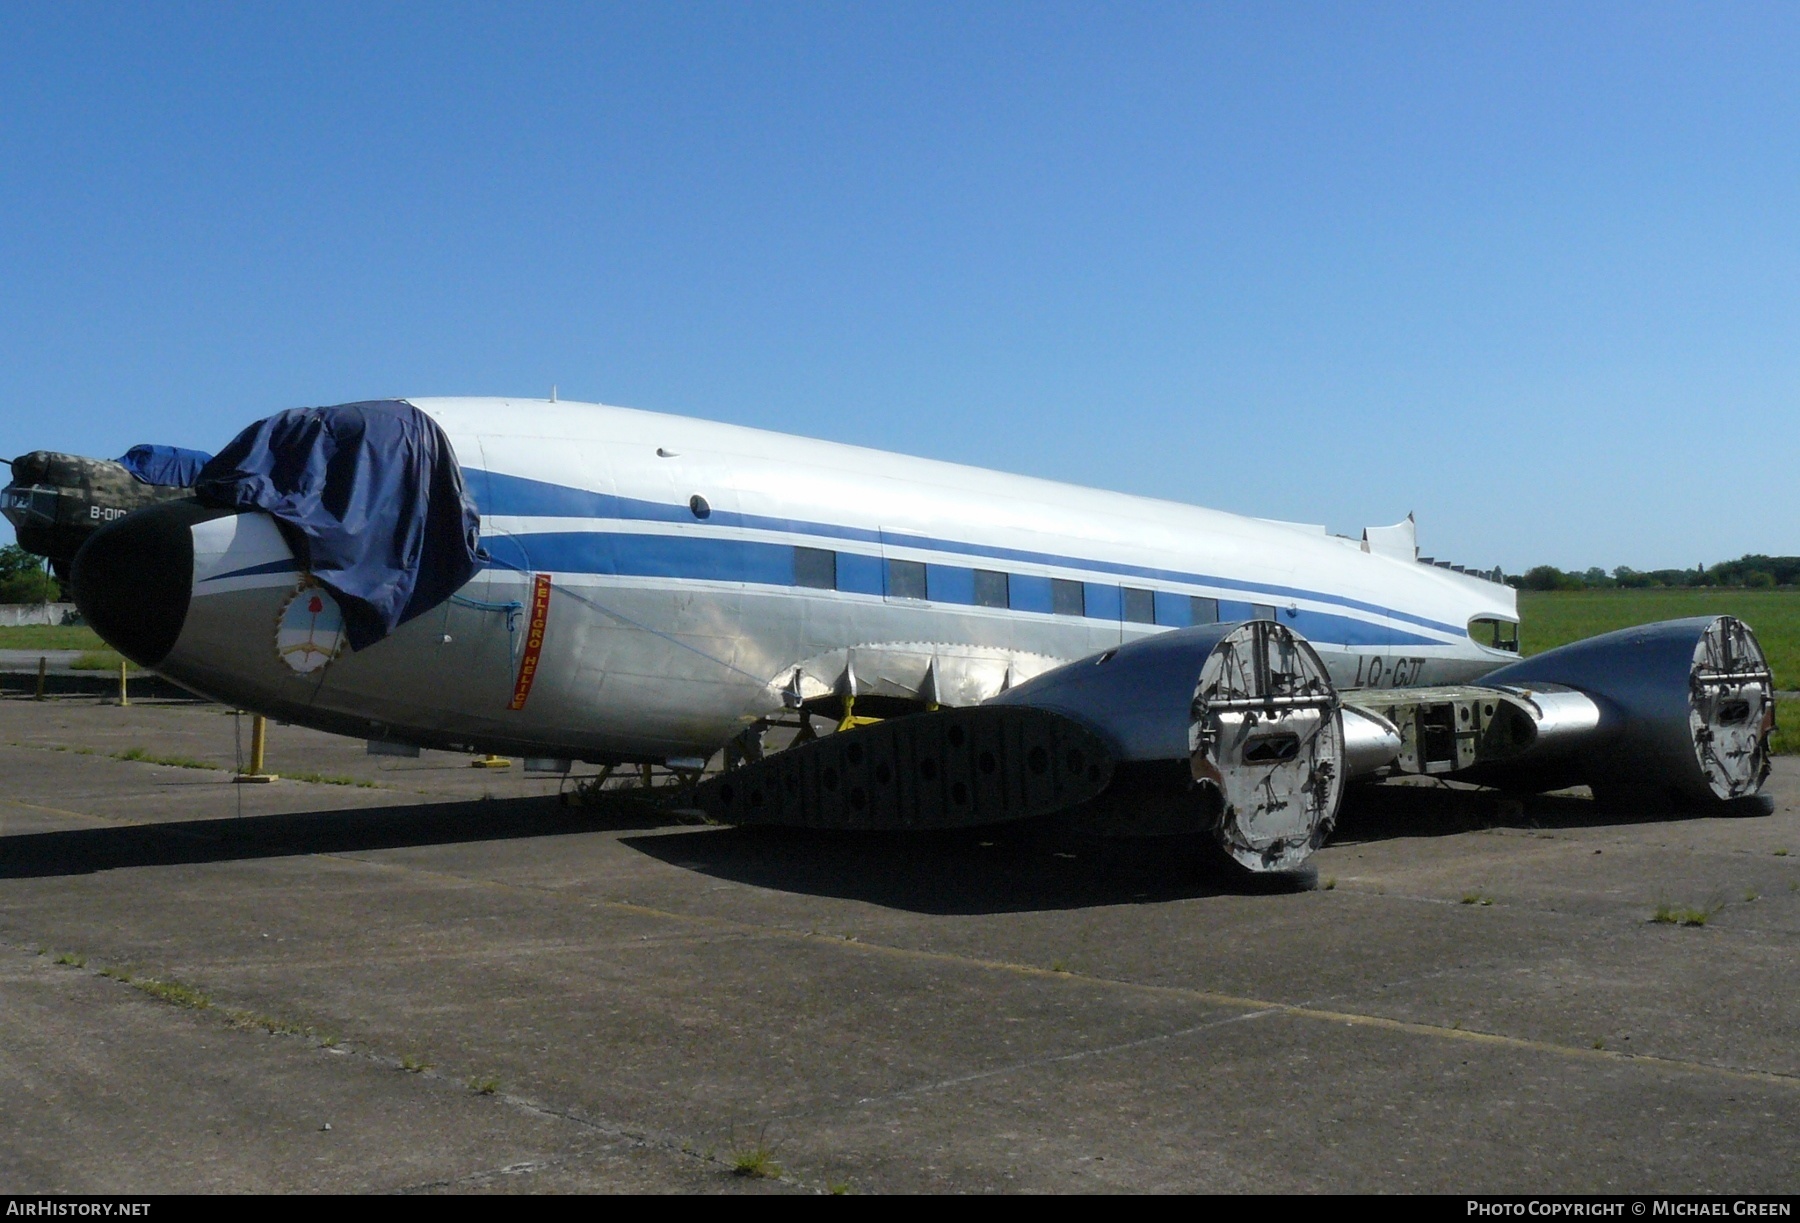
580 582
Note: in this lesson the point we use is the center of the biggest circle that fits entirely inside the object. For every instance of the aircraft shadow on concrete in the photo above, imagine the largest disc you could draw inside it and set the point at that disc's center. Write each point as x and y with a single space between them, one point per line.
1025 867
1036 865
1389 812
179 843
1015 867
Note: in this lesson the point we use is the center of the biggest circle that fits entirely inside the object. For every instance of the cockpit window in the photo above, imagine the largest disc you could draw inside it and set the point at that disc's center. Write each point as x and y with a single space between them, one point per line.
1495 634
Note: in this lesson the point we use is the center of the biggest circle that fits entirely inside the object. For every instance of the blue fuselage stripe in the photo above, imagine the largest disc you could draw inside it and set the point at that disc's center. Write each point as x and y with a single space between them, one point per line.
717 559
287 565
519 497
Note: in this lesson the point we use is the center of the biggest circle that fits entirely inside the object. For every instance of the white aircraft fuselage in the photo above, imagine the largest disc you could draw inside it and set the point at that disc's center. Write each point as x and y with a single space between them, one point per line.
657 584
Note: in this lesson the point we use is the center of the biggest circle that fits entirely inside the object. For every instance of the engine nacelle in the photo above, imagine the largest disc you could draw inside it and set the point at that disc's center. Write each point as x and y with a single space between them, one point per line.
1684 707
1237 725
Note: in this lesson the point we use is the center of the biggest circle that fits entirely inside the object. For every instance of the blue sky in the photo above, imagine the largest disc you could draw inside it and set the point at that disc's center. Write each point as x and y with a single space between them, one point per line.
1531 271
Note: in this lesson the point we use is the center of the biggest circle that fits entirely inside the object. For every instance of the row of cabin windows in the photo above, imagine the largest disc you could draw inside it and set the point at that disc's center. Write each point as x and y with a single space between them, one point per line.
823 569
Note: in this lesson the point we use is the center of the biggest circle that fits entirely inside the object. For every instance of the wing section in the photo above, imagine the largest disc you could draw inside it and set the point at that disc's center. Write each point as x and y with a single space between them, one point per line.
1228 730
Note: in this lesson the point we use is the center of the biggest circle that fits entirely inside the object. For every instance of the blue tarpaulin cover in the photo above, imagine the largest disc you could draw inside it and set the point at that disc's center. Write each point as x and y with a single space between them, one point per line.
370 498
170 466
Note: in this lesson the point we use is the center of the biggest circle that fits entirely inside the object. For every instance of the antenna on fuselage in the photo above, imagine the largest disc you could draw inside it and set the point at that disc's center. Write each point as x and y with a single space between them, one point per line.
553 392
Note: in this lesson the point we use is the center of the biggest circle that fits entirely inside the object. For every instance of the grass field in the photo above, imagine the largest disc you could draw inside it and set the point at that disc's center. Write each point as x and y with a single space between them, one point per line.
49 637
95 656
1553 618
1786 739
99 660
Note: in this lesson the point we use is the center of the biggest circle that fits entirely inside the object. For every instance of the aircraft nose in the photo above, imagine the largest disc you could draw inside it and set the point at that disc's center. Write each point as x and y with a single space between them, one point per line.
132 578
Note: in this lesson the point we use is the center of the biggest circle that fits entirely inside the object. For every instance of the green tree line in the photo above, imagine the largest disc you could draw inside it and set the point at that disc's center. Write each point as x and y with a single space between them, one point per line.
1752 572
23 580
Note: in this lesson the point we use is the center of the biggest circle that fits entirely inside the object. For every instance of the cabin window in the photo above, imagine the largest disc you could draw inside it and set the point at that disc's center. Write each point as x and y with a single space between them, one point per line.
816 568
1066 598
1262 611
990 589
698 507
1495 634
905 579
1204 611
1140 606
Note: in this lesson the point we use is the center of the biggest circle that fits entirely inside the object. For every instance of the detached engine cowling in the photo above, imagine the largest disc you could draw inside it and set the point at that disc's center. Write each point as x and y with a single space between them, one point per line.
1237 724
1684 707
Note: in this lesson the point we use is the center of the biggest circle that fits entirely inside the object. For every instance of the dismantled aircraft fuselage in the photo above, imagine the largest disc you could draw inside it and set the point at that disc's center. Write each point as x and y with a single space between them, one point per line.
654 588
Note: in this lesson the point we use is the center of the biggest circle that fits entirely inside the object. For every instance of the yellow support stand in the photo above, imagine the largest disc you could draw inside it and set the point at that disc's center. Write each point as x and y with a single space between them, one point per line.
259 738
124 696
850 720
491 761
43 672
